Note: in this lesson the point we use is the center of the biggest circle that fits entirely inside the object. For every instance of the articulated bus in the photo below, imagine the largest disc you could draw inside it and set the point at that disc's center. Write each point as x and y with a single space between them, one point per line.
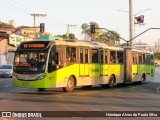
43 64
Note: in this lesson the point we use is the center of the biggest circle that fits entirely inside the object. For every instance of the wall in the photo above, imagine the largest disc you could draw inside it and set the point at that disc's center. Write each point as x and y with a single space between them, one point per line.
3 51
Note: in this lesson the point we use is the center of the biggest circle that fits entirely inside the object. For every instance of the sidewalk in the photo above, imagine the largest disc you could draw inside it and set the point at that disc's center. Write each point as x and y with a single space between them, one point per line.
157 75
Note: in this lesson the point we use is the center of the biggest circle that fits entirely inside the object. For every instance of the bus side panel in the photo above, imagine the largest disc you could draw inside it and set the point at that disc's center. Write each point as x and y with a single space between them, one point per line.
105 73
94 73
148 74
118 71
141 70
135 72
60 77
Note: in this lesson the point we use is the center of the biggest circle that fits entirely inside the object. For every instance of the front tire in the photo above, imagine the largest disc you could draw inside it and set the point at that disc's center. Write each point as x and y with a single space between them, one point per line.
70 85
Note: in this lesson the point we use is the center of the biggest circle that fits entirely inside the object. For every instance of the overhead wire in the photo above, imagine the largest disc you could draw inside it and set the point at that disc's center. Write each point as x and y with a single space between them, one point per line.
20 8
15 7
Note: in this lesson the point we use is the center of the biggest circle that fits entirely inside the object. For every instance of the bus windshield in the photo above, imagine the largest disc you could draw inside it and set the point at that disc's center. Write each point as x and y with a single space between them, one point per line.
30 61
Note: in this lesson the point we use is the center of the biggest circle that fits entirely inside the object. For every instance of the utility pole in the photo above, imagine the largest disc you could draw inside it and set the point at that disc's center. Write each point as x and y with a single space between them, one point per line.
37 15
68 26
131 18
34 19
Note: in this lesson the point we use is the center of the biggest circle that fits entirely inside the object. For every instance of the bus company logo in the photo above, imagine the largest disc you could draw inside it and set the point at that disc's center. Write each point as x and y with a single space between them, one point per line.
6 114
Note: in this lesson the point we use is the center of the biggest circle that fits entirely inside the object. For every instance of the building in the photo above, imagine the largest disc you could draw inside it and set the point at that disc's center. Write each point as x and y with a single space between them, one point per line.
4 40
11 38
26 31
144 46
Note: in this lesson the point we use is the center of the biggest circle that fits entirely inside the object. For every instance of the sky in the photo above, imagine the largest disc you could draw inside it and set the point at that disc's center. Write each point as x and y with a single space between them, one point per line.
107 13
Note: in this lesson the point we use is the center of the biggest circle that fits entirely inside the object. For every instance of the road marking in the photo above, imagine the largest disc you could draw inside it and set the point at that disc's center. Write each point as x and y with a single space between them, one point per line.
158 89
145 90
94 109
120 96
5 100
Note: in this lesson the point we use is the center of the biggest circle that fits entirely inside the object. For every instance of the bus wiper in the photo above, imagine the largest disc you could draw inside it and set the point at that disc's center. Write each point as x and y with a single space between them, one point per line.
34 65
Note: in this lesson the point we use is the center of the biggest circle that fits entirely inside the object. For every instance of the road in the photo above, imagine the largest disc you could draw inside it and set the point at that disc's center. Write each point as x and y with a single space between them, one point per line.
132 97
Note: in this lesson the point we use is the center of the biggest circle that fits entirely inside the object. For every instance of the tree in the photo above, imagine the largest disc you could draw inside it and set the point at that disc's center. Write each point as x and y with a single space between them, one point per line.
7 25
71 36
110 38
157 55
86 30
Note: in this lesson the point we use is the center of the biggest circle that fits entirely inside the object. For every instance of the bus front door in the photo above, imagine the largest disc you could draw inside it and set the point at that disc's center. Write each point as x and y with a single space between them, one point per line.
84 62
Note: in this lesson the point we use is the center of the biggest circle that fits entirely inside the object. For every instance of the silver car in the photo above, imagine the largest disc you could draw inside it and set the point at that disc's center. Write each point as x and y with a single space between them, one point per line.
6 70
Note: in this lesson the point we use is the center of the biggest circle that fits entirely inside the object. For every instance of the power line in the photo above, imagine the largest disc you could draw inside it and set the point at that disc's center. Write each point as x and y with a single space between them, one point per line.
15 6
24 7
11 8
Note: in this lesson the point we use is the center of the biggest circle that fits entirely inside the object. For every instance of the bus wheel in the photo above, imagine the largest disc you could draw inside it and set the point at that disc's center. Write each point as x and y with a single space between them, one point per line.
142 79
105 86
87 86
40 89
111 82
70 85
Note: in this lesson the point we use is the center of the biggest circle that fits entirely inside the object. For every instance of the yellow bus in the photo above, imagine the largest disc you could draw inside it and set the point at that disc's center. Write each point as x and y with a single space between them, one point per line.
46 64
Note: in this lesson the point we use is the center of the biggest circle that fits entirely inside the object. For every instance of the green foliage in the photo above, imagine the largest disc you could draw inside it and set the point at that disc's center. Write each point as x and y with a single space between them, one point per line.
86 30
64 36
72 36
108 37
157 55
6 25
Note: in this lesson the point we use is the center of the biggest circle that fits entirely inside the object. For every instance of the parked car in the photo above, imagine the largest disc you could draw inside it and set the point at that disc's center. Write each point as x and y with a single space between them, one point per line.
157 65
6 70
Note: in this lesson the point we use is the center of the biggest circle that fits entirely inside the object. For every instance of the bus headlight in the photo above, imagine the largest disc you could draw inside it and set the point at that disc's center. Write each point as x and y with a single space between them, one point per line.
41 76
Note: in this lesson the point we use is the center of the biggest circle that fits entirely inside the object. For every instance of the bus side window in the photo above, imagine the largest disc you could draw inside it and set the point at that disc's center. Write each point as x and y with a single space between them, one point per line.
120 57
101 53
60 58
81 55
86 55
106 56
94 53
139 58
71 54
51 62
152 60
112 57
134 58
147 59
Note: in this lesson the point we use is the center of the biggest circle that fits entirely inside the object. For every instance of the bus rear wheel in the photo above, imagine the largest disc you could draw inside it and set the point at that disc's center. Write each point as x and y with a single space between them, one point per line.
111 82
142 79
70 85
41 89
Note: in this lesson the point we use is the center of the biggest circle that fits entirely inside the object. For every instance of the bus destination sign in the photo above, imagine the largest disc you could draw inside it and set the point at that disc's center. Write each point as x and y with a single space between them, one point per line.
33 45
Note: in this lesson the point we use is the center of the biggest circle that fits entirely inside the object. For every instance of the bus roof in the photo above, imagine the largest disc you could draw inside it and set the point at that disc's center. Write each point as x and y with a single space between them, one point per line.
73 42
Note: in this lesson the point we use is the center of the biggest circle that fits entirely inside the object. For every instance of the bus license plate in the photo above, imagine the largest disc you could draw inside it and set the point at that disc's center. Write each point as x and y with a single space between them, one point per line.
25 84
